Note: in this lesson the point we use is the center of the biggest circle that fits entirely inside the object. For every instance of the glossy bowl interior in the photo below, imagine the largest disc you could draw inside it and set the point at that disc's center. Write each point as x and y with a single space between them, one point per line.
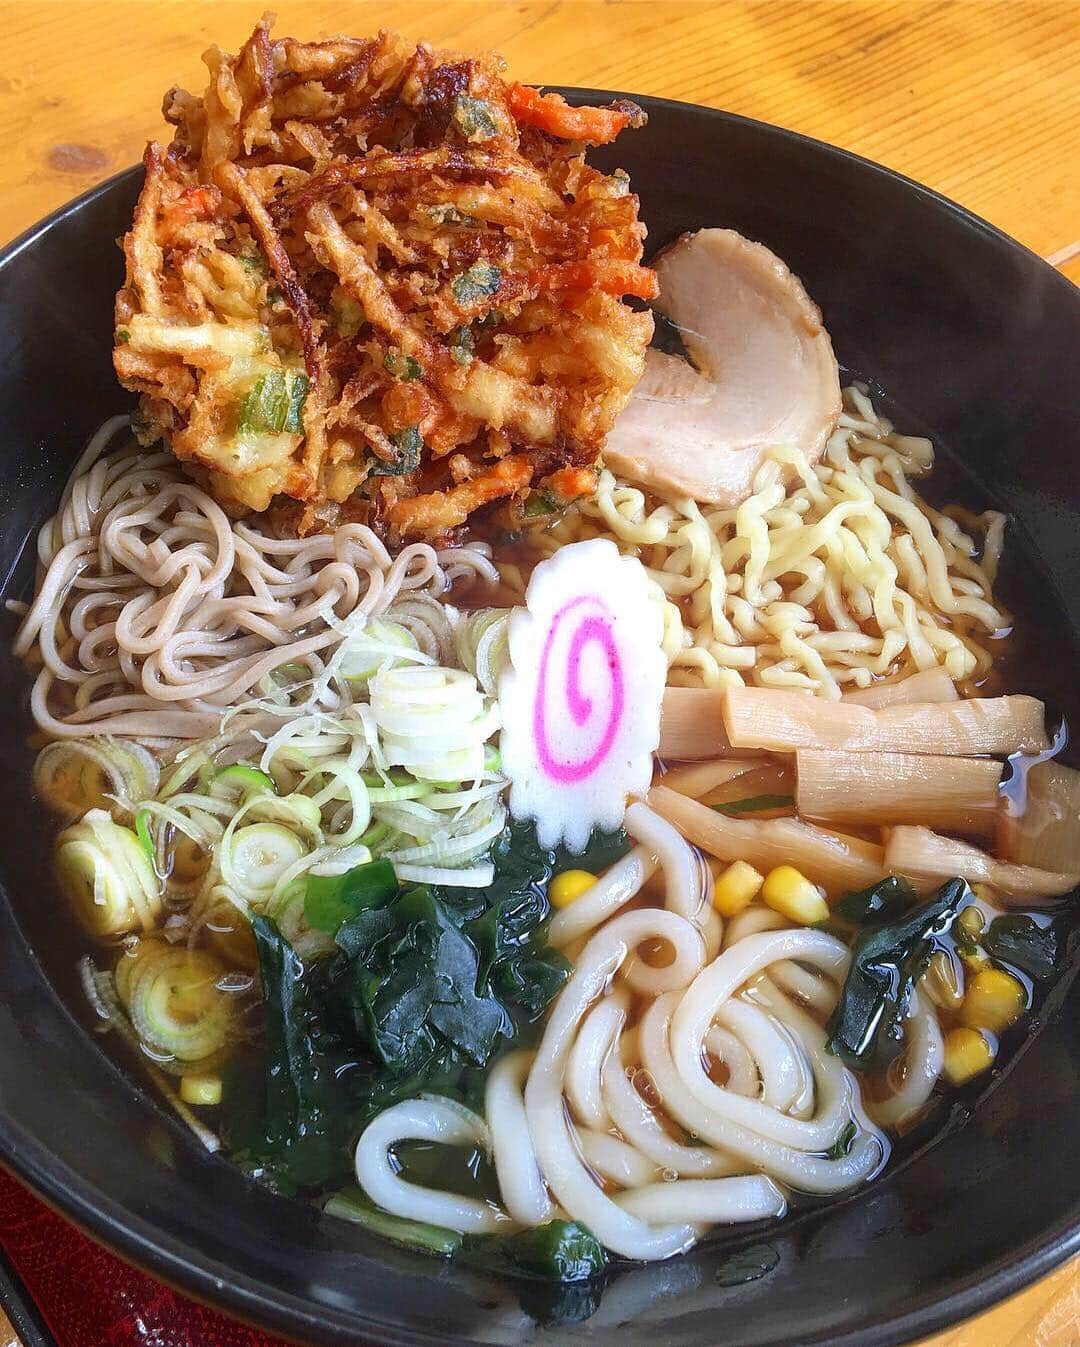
951 319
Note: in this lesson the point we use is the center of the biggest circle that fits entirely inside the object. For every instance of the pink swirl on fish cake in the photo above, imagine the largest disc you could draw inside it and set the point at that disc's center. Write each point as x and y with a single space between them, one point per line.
591 629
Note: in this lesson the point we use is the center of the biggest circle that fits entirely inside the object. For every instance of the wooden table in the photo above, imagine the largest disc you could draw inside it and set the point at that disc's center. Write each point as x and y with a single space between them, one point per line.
978 98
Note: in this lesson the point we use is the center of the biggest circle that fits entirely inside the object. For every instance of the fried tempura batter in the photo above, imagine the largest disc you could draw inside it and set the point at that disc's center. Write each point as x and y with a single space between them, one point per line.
374 281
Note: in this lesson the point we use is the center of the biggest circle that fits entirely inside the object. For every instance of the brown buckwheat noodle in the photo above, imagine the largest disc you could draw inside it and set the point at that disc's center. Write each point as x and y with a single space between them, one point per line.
155 613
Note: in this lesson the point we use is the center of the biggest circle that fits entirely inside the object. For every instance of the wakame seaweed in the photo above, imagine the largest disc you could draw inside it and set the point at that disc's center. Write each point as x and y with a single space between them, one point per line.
866 1028
561 1268
286 1113
330 900
877 903
424 988
558 1251
1018 942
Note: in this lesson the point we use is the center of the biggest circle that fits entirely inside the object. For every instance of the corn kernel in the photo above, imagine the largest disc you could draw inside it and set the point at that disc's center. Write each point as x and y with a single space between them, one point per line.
971 921
974 960
994 1000
736 888
566 888
967 1054
790 893
202 1089
943 981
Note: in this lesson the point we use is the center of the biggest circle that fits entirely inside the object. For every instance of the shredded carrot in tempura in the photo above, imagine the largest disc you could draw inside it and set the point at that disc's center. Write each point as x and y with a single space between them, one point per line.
370 281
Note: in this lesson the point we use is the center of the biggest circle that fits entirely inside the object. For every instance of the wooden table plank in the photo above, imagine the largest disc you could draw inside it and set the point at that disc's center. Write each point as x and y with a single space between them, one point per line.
977 98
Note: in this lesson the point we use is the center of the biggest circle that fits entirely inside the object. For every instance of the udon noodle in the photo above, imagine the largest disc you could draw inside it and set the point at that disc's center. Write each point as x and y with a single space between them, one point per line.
839 578
576 1111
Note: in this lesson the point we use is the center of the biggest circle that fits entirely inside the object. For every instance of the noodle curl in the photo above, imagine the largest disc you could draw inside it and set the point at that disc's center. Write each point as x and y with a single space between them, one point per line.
155 613
825 579
588 1123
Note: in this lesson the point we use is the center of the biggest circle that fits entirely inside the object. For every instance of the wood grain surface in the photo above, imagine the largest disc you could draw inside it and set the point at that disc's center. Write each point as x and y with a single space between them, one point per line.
980 99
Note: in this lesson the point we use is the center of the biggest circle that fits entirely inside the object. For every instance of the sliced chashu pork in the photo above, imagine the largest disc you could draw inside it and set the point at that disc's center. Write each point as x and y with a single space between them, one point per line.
764 373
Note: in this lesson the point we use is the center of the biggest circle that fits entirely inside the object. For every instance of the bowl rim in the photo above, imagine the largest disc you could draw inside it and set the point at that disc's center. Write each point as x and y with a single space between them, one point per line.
184 1266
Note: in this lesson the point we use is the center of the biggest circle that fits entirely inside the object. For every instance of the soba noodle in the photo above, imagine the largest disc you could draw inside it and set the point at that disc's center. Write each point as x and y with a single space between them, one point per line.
155 613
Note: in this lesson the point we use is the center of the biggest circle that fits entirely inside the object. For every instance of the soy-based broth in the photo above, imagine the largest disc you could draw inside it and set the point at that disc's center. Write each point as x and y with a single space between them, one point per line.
431 806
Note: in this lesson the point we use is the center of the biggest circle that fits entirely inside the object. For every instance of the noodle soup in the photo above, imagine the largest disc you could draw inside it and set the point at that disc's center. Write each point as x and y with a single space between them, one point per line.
665 851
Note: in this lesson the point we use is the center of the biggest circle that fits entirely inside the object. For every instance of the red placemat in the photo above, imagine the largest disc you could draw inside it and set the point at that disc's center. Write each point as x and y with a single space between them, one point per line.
89 1298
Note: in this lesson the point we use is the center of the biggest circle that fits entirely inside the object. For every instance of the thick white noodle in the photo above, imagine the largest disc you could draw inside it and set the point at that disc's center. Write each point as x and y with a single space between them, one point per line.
615 1159
804 985
603 1090
598 1032
742 1070
639 1124
425 1120
611 892
703 1001
707 1201
520 1182
809 1173
750 921
685 872
780 1067
566 1174
921 1064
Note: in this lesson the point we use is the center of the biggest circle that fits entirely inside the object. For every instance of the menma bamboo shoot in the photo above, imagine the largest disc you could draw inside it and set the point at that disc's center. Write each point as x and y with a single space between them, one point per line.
867 789
775 721
928 685
835 861
922 855
699 778
1047 832
692 725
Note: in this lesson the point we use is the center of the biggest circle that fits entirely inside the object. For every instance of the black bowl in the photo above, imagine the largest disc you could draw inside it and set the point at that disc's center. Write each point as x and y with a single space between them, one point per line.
951 319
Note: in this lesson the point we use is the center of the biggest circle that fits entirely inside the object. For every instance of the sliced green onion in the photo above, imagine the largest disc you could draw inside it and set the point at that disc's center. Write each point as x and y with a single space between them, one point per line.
107 876
415 790
192 763
474 118
172 997
481 639
542 503
348 315
258 855
479 281
244 779
401 366
474 877
72 776
254 262
409 445
142 832
275 404
434 722
462 346
346 784
352 1205
443 214
377 645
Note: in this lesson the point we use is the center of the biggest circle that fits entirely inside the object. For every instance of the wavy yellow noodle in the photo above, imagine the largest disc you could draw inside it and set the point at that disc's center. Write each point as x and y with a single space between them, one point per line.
824 579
